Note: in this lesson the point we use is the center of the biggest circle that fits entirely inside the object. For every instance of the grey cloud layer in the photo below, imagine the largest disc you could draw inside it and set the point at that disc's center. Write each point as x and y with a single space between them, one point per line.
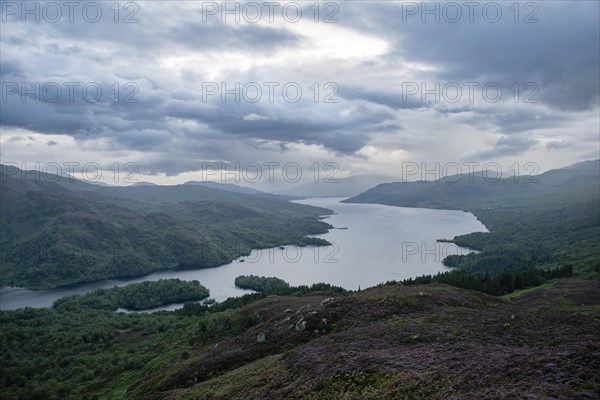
171 120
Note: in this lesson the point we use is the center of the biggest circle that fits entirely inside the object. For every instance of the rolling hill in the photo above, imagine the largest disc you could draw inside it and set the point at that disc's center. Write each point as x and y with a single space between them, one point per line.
58 231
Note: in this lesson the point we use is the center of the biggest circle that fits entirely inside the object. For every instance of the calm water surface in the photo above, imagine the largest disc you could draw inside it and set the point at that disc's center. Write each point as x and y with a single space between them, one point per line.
371 244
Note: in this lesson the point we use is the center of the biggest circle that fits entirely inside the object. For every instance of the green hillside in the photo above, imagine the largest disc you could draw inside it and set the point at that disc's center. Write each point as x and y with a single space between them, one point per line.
549 220
58 231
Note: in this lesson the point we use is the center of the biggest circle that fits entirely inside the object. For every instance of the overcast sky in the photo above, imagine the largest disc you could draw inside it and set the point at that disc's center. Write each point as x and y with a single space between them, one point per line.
504 84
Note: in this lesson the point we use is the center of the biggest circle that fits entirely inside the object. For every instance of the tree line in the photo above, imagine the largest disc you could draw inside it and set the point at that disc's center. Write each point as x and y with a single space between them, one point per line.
496 284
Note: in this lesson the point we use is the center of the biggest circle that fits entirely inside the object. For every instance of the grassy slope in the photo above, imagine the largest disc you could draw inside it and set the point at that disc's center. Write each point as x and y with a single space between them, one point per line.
517 293
387 342
57 232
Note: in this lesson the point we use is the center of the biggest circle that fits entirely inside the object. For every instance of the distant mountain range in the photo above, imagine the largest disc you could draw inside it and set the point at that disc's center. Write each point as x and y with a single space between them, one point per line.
144 184
476 190
58 230
340 187
230 187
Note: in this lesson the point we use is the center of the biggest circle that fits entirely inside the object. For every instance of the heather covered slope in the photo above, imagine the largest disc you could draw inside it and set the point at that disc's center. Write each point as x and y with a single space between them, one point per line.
395 342
388 342
58 231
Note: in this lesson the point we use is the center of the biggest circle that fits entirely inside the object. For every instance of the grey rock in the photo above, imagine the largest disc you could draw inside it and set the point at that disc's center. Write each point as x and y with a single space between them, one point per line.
301 325
327 300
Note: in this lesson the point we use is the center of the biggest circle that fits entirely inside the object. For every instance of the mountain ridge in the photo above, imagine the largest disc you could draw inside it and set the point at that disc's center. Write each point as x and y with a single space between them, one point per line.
59 231
336 187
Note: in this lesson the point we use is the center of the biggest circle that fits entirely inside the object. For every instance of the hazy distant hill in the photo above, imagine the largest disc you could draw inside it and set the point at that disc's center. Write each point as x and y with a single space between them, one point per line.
144 184
57 230
343 187
230 187
475 190
550 219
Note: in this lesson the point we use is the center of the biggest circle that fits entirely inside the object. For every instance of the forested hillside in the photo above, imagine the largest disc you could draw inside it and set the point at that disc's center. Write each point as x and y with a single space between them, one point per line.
548 220
58 231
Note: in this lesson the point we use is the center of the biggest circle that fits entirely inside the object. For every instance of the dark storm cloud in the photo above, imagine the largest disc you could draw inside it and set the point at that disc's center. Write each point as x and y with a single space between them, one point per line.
559 52
144 139
170 166
505 146
558 144
146 125
155 29
42 117
292 125
83 104
198 36
10 67
515 120
394 99
345 142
